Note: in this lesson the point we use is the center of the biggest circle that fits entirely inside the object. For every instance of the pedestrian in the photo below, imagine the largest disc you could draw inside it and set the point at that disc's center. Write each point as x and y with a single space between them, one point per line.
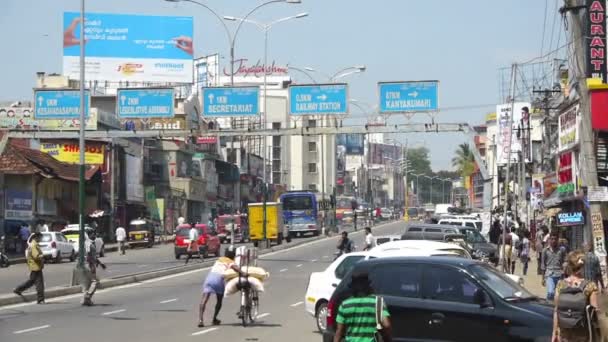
539 246
552 265
215 284
35 263
506 250
121 238
370 242
90 285
524 254
516 243
24 235
495 232
361 317
345 245
592 270
193 244
572 318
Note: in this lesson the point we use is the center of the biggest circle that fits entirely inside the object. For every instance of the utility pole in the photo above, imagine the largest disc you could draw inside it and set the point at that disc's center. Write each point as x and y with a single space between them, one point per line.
506 267
587 150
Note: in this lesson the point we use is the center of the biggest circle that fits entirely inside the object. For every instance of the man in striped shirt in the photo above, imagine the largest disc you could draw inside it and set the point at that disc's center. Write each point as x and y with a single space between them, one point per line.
356 317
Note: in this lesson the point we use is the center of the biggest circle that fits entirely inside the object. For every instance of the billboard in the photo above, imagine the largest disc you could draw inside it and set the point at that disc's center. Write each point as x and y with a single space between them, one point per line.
354 143
127 47
568 128
69 152
318 99
508 135
145 103
22 118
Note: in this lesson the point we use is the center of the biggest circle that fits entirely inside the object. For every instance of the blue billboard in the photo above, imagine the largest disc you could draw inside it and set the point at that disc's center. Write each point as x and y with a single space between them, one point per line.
60 104
230 101
126 47
353 143
318 99
410 96
145 103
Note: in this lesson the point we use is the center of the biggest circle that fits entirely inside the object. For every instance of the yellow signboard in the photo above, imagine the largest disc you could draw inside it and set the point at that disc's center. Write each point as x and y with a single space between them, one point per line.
69 152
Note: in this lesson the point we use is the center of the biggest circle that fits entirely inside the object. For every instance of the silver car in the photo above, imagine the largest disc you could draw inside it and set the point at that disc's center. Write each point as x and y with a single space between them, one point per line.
55 246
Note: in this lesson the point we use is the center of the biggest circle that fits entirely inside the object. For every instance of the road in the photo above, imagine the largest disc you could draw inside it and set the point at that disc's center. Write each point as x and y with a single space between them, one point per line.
167 308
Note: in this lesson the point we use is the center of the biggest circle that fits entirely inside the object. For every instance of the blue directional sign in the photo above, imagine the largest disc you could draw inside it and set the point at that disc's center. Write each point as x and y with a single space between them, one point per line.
412 96
60 104
318 99
145 103
233 101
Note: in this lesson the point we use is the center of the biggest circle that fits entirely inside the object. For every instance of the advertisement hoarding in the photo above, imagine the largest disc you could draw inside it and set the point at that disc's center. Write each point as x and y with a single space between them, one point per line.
408 96
568 123
145 103
22 118
595 44
18 205
206 71
127 47
69 152
508 135
59 104
318 99
231 101
354 143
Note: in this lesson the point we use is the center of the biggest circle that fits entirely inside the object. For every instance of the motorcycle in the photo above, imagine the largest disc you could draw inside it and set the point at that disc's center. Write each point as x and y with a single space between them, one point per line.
4 262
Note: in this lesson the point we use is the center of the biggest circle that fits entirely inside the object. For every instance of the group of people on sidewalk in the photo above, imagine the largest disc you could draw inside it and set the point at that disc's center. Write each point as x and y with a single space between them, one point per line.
35 263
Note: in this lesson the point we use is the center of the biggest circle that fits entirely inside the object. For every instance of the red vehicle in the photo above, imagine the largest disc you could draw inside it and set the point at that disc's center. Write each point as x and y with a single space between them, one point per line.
208 242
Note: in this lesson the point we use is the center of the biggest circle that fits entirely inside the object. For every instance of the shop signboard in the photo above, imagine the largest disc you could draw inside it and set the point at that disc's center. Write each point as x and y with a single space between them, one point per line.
568 128
160 124
595 42
549 184
597 193
128 47
573 218
22 118
69 152
566 174
597 226
18 205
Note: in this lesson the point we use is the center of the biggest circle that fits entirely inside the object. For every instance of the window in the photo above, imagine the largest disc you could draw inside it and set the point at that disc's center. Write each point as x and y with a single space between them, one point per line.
46 237
432 230
312 146
297 203
414 229
472 236
312 167
346 265
448 284
276 125
61 238
312 187
469 224
312 123
276 140
397 280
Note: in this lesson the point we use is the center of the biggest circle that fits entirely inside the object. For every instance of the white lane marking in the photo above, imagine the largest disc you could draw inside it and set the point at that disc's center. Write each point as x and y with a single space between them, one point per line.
31 329
313 260
182 274
296 304
298 266
169 301
204 331
263 315
113 312
283 270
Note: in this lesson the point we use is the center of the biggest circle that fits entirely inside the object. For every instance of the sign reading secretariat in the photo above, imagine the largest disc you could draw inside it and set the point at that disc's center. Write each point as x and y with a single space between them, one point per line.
145 103
60 104
413 96
126 47
231 101
318 99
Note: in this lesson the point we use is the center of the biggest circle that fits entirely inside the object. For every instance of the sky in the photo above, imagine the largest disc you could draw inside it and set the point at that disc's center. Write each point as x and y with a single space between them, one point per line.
460 43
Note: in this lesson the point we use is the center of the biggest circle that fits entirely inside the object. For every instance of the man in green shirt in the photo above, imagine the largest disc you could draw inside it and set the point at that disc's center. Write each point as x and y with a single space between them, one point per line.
356 317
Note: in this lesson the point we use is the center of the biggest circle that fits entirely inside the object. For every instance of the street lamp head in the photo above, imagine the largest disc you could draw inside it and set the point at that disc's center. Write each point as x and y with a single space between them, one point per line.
293 1
301 15
226 17
172 0
361 67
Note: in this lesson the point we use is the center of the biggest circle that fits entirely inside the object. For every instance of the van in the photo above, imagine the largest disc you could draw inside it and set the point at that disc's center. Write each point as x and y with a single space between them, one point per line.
427 232
464 222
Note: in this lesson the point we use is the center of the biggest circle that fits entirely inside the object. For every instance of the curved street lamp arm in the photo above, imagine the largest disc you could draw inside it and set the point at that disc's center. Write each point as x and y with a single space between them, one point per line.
230 39
304 72
238 28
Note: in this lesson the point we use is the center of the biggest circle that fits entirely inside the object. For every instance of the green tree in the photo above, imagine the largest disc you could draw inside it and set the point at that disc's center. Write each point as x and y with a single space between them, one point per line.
464 161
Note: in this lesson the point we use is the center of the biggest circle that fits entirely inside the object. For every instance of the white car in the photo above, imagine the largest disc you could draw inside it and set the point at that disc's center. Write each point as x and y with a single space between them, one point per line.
72 233
386 213
55 246
386 238
321 285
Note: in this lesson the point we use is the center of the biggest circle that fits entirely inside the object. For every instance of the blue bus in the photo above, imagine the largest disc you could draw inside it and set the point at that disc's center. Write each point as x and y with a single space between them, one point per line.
300 212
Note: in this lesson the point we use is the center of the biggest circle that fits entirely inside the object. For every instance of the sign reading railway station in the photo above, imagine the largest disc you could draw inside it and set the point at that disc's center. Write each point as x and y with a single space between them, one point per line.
230 101
318 99
410 96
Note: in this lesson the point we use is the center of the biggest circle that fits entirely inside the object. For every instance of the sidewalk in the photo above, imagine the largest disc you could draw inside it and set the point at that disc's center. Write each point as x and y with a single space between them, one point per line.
532 281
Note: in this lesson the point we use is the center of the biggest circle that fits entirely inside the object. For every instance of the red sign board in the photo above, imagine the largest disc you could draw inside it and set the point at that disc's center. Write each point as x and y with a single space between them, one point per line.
206 140
599 109
564 168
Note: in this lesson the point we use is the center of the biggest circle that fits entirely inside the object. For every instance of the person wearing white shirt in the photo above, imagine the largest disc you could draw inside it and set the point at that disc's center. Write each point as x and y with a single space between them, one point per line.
515 242
370 242
121 238
193 245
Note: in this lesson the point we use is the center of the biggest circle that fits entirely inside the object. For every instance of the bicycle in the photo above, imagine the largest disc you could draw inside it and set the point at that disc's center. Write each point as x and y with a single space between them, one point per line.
249 304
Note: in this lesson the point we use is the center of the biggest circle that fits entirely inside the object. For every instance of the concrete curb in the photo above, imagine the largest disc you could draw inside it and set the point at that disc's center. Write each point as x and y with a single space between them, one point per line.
10 299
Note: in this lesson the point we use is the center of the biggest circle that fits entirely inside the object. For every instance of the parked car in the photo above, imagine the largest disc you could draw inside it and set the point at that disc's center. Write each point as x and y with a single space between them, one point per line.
424 231
464 222
72 233
141 233
386 238
478 242
208 241
449 299
386 213
321 285
55 246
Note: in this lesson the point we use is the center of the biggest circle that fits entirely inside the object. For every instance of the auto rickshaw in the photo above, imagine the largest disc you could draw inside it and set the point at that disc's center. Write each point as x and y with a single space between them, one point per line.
141 233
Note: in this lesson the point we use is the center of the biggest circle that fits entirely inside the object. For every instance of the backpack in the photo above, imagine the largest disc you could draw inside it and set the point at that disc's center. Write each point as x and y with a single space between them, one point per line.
572 307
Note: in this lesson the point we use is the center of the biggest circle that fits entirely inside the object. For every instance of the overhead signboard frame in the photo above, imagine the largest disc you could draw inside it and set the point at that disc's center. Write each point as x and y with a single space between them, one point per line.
230 101
143 103
60 104
318 99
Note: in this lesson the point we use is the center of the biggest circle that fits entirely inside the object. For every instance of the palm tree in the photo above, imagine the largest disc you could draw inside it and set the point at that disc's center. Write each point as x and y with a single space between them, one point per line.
464 161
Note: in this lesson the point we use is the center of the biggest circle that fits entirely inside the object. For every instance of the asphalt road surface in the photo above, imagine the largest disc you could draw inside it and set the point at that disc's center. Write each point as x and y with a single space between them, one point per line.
166 309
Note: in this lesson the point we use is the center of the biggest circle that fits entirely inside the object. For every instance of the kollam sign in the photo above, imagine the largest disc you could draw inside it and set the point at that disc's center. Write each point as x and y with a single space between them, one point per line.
568 128
596 39
574 218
